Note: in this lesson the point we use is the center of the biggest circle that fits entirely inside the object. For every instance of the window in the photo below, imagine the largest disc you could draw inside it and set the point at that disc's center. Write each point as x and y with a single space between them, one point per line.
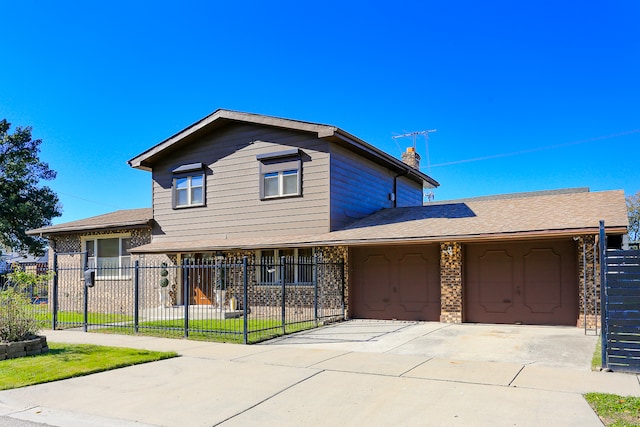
109 256
188 185
280 174
280 184
298 268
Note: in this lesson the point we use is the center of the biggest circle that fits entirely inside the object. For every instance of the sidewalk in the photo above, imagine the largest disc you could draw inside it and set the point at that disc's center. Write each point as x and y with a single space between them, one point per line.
227 384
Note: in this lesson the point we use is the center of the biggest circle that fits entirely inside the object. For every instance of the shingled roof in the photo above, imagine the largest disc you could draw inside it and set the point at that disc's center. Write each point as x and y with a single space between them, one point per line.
129 218
524 215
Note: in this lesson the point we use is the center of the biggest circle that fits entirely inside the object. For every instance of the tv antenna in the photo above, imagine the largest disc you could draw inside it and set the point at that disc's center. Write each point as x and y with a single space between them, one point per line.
414 136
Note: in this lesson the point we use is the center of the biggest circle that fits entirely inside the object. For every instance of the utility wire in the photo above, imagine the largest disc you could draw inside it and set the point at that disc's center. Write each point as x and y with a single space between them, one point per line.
533 150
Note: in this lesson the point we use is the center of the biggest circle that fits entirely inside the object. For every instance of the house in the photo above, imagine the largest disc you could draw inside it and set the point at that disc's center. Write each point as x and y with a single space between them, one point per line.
240 184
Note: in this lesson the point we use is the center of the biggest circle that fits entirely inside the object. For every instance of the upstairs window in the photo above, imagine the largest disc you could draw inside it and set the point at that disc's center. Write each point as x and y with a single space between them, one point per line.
109 256
188 186
280 184
280 174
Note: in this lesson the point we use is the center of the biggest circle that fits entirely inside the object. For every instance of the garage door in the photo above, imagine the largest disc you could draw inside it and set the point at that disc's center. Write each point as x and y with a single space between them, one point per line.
395 282
525 282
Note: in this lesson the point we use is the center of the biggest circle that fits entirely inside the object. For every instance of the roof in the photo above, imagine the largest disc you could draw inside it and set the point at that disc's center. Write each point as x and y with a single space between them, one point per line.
524 215
223 117
21 258
129 218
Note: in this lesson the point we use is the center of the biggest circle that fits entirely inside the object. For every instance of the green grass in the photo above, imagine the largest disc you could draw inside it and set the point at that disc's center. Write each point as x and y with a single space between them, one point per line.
43 313
596 360
217 330
614 410
67 361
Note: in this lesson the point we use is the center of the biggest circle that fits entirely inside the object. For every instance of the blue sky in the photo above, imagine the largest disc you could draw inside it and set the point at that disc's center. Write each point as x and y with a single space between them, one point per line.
524 95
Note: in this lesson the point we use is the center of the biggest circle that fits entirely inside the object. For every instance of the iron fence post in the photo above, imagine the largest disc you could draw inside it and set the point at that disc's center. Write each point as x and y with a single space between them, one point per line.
136 295
85 264
603 293
54 295
185 295
282 282
342 291
245 283
315 289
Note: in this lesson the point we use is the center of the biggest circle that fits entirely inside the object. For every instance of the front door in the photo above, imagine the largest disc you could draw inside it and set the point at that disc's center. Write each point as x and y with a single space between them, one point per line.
201 280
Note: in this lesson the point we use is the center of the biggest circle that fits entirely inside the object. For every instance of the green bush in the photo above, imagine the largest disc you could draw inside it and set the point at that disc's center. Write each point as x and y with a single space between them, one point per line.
18 319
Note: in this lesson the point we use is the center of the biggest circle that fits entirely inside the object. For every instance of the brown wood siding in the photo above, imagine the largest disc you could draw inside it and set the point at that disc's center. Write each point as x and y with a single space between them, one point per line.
395 282
359 187
233 206
408 193
524 282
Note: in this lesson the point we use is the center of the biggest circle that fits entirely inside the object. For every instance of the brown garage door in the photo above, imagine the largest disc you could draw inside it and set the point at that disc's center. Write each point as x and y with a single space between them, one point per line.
395 282
524 282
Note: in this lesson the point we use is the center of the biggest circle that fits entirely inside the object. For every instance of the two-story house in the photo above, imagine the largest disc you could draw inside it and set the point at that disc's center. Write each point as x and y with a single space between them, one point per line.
245 184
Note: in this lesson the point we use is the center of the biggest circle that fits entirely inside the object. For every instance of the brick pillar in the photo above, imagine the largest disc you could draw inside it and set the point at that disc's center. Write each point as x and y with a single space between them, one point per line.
411 158
590 271
450 282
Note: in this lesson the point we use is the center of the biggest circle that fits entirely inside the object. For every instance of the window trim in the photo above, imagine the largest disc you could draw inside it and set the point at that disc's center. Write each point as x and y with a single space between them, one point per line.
124 273
188 171
280 162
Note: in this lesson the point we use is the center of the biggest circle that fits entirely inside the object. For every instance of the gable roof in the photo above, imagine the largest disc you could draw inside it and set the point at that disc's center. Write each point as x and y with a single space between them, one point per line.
223 117
129 218
524 215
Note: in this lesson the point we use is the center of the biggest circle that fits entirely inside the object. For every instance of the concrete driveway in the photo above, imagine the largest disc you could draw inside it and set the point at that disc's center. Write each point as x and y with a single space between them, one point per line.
553 346
351 374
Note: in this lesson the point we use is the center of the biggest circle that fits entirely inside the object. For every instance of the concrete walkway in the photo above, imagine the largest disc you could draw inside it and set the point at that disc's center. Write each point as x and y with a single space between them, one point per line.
330 376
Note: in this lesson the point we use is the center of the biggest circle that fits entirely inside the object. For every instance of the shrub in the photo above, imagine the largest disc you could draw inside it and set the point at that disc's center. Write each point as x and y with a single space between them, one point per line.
18 319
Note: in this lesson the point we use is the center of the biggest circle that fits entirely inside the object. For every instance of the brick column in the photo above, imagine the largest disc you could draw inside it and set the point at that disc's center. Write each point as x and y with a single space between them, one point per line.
586 276
450 282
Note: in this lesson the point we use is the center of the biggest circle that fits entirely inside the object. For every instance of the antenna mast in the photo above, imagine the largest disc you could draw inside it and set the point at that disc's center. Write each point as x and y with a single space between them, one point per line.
414 135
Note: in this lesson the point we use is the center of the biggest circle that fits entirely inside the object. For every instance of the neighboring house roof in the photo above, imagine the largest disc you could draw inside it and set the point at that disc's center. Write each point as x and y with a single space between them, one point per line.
222 117
129 218
12 257
523 215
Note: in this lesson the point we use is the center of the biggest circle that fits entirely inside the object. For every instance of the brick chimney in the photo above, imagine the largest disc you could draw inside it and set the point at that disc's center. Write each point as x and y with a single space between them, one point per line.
411 158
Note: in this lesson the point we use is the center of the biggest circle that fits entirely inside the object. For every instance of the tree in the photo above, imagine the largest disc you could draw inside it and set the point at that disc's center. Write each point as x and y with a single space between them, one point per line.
633 208
24 204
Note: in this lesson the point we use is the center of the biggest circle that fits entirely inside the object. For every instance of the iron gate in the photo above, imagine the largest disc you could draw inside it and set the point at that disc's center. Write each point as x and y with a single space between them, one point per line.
621 310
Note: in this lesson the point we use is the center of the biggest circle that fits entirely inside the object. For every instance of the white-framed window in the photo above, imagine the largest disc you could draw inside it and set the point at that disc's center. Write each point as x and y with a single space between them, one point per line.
280 174
280 184
109 255
298 268
189 186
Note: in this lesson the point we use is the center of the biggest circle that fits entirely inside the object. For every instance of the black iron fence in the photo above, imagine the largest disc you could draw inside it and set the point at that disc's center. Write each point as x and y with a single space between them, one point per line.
38 294
233 300
621 323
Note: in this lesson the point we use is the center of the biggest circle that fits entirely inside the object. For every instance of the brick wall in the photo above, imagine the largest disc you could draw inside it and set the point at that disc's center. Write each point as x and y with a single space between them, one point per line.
451 282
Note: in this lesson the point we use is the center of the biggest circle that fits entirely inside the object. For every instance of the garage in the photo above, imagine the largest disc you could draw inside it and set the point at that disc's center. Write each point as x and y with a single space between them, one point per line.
526 282
395 282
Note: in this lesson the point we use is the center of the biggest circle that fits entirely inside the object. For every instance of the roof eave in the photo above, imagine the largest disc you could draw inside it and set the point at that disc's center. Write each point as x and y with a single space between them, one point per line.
46 232
353 140
142 161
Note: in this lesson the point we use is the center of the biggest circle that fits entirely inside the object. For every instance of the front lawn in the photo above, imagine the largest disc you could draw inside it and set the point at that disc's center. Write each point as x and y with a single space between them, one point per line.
220 330
614 410
71 360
